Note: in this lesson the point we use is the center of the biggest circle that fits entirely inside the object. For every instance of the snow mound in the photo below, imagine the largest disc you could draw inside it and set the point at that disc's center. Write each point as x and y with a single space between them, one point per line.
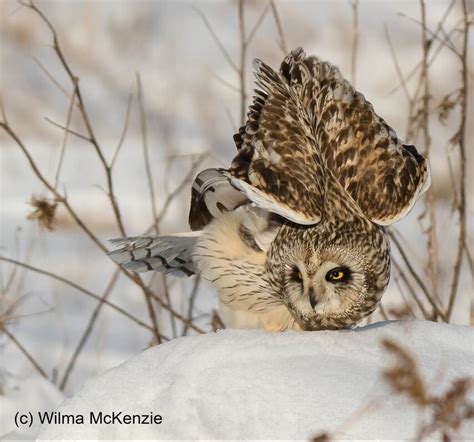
24 394
242 384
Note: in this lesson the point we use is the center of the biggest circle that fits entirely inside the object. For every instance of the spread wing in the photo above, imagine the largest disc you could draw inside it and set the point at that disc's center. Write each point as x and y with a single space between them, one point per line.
307 128
383 175
279 161
277 165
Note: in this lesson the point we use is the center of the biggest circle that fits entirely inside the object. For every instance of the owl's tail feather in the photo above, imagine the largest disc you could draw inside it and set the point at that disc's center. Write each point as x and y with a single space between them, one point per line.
168 254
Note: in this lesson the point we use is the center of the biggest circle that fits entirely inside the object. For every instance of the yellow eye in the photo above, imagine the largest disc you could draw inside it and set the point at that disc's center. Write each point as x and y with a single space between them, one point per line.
337 275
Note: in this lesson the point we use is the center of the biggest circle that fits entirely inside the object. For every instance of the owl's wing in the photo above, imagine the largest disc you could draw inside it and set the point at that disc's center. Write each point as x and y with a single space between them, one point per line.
279 162
382 175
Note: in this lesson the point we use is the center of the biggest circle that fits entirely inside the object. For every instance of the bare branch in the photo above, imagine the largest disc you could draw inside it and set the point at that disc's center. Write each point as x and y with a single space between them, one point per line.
430 196
397 65
77 287
66 132
216 39
72 132
146 157
461 206
88 330
242 64
22 348
124 130
259 21
416 277
355 39
192 298
276 16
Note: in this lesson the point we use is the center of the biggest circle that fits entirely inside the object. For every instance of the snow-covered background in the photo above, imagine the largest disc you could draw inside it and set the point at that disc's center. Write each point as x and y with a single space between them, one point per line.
192 107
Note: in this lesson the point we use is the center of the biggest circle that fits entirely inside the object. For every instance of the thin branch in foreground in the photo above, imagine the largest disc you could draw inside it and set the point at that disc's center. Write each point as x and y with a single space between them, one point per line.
259 21
146 155
276 16
433 258
72 132
397 65
88 330
416 277
192 298
216 38
77 287
242 63
124 130
355 39
51 77
461 206
66 133
22 348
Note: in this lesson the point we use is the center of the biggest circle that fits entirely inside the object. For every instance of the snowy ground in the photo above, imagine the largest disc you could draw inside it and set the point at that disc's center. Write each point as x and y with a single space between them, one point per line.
256 385
180 66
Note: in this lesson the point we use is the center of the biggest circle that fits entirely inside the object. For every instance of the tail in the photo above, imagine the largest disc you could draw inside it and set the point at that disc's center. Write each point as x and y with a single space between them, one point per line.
168 254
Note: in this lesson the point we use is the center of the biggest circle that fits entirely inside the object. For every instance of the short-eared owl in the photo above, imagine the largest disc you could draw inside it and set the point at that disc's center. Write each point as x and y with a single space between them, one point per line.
292 234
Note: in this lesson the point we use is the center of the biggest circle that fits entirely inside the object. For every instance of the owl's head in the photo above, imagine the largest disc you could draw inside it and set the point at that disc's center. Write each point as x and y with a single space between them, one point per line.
330 280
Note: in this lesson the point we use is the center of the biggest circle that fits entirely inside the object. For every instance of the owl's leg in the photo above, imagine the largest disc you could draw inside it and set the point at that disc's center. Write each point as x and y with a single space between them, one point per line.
167 254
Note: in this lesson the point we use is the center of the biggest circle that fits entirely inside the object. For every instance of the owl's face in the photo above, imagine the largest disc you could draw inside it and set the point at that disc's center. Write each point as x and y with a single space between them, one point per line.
331 281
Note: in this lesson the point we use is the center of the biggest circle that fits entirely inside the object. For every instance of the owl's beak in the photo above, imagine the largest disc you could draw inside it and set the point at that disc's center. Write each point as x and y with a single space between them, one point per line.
312 298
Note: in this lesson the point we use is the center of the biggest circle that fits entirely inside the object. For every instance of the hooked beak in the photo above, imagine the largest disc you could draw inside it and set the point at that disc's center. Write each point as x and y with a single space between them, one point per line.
312 298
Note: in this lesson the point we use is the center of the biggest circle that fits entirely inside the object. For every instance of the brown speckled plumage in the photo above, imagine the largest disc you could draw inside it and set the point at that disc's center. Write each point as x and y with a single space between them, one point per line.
317 175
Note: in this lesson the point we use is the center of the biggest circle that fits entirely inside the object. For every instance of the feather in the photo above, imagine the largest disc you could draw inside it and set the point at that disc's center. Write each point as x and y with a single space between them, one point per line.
168 254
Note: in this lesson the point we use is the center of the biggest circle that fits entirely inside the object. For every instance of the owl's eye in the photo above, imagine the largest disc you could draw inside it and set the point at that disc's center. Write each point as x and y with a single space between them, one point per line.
296 274
339 274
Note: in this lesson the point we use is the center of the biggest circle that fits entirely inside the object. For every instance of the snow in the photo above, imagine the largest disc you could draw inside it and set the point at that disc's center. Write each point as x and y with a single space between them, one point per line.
243 384
33 394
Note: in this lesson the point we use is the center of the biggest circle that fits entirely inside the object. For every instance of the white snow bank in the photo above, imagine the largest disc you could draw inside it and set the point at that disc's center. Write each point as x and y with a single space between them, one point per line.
241 384
20 394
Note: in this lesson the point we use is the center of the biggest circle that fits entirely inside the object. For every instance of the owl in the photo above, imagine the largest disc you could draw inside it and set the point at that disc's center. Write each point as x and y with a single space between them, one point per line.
293 234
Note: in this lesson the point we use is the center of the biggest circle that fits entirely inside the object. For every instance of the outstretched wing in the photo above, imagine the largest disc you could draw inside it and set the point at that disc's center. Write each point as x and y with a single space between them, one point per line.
278 163
382 175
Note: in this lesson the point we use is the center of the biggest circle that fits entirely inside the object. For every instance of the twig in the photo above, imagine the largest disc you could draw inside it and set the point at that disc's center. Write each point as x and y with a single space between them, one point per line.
416 277
242 66
355 39
276 16
411 290
77 287
88 330
85 117
169 199
146 156
135 278
72 132
216 39
22 348
66 132
192 298
259 21
435 54
397 65
461 206
430 197
124 130
107 168
225 82
50 76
